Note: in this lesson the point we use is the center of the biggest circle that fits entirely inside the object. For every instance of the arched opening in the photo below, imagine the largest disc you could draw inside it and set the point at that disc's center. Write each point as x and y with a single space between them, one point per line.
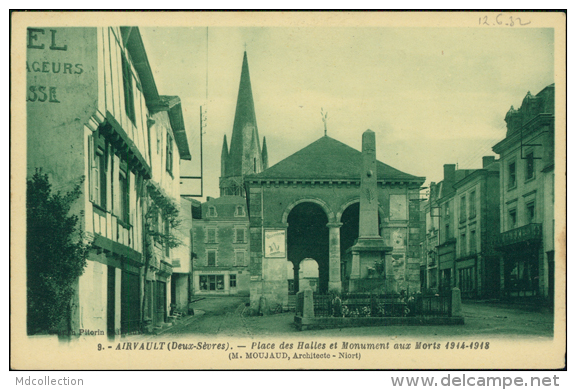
308 274
290 277
308 238
349 232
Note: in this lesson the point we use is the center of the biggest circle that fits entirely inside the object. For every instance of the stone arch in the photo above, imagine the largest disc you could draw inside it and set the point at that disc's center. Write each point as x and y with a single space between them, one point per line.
345 205
318 201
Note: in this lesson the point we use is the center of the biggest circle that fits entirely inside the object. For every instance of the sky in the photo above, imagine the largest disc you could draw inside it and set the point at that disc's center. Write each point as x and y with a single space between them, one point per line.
433 96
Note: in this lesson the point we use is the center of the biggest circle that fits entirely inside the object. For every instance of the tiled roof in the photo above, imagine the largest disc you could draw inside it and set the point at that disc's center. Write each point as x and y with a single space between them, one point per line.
327 158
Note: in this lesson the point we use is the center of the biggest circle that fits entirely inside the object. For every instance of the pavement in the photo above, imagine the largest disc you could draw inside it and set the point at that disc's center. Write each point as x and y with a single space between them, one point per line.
227 316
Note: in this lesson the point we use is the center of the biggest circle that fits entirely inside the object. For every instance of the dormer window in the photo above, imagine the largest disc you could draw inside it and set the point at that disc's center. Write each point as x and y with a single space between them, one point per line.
239 211
212 211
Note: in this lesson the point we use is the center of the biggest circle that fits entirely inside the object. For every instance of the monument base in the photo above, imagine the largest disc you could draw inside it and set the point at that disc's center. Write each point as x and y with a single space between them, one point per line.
368 261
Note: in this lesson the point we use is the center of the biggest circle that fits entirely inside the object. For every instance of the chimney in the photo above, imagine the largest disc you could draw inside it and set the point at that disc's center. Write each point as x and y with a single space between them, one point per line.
449 175
487 160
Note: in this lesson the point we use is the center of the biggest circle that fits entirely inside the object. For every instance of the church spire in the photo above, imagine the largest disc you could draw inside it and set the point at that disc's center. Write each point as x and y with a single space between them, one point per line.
240 159
264 155
224 157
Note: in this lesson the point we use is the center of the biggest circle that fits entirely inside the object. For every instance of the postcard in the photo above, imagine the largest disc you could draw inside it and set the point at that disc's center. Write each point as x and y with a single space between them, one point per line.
288 190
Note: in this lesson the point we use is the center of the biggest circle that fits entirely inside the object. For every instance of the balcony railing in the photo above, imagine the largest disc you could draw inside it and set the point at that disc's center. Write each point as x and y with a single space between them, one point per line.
530 232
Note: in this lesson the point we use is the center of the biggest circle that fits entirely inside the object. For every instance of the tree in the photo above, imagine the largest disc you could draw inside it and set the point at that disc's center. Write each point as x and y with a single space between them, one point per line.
55 254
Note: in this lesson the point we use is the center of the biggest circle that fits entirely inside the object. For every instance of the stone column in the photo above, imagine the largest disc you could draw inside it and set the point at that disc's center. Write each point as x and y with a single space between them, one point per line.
368 188
335 280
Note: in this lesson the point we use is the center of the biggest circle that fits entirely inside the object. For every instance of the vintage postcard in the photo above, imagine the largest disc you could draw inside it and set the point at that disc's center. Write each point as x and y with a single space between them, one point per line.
288 190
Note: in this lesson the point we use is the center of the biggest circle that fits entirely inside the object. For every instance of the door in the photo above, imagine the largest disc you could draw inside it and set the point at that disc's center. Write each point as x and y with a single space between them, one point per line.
130 302
111 302
160 302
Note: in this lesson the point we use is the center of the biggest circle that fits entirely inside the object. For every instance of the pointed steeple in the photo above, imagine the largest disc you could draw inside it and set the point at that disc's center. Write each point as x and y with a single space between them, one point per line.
240 159
264 155
224 157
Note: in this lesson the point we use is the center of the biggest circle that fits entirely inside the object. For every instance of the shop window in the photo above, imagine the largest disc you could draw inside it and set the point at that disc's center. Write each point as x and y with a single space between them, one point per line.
211 282
512 175
211 258
530 166
128 90
466 279
232 280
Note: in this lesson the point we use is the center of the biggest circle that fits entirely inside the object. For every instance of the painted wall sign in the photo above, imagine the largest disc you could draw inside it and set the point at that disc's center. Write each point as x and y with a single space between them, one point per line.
275 243
47 41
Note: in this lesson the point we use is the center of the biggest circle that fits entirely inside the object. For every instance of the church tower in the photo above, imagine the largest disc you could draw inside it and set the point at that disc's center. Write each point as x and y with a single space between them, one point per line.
245 155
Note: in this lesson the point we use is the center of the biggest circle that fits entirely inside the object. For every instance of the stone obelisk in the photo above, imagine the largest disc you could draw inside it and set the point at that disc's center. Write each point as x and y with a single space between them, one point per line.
370 247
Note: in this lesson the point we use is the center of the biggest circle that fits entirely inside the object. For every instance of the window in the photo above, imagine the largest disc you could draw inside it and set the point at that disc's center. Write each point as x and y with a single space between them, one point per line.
211 235
512 175
232 280
530 212
128 90
463 208
448 235
240 235
99 172
211 282
472 205
169 153
466 279
166 233
463 244
239 211
240 258
530 166
472 241
212 211
511 218
211 258
124 213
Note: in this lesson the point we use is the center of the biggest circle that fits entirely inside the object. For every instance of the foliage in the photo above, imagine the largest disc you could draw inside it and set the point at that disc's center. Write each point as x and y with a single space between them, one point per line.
55 253
169 215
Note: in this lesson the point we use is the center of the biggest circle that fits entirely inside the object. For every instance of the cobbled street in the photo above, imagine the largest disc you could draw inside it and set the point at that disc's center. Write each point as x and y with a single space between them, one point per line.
227 317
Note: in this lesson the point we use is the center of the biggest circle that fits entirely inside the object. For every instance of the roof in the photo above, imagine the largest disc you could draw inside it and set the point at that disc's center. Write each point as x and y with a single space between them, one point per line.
174 107
327 158
245 128
133 41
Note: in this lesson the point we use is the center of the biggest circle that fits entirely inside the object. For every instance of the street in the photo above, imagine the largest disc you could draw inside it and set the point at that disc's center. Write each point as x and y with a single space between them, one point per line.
224 317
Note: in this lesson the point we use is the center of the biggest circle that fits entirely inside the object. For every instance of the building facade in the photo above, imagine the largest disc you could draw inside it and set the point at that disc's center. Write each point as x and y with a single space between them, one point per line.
307 207
526 241
462 218
221 245
94 112
476 266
